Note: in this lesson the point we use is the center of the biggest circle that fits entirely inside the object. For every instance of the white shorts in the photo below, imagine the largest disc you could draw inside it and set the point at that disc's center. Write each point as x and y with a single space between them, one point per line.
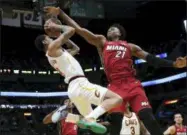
83 93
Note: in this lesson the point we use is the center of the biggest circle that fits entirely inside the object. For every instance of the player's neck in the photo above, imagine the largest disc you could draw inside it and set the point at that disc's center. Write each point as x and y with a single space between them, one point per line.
114 39
128 114
179 125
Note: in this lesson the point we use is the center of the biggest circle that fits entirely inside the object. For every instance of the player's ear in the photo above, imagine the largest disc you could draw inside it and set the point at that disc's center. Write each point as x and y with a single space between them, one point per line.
44 42
119 33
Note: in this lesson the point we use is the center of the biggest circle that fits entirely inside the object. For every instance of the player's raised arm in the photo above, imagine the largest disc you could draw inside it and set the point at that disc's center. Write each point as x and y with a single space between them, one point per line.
73 49
94 39
155 61
63 38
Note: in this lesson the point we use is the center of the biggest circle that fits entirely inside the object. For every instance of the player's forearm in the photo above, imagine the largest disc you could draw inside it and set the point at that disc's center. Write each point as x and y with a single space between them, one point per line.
151 59
86 34
73 49
68 32
67 20
67 29
62 39
70 44
158 62
78 29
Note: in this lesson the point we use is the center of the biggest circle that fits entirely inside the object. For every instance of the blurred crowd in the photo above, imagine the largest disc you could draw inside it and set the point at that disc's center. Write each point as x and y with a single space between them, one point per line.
29 122
17 59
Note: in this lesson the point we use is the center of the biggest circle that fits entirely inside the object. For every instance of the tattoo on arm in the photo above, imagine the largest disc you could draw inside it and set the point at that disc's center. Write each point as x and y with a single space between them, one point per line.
73 49
67 33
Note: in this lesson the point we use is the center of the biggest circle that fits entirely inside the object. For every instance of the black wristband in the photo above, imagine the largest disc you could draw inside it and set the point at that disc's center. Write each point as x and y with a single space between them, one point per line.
154 61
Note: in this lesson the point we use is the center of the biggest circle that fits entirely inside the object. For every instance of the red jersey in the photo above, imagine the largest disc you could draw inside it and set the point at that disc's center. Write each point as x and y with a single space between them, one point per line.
117 60
180 130
68 128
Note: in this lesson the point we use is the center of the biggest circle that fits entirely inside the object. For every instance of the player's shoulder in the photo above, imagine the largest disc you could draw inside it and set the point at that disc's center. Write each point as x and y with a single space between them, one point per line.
131 45
101 36
131 116
126 44
123 41
101 40
55 54
172 128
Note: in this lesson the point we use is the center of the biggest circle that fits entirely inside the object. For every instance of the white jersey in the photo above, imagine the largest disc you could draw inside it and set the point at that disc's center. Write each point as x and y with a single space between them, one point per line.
130 125
66 64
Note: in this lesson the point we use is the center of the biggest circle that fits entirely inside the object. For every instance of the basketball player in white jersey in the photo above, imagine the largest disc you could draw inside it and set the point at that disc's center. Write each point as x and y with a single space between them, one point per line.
131 125
81 92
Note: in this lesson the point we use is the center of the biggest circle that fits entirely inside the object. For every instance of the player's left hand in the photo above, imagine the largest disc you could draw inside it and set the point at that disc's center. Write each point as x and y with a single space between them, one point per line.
180 62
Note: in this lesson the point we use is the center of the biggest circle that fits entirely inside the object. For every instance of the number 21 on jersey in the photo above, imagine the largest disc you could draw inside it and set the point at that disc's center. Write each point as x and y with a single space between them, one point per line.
120 54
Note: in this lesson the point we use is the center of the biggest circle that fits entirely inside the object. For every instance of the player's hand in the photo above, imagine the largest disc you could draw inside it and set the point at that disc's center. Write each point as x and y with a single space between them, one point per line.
51 26
49 10
47 119
180 62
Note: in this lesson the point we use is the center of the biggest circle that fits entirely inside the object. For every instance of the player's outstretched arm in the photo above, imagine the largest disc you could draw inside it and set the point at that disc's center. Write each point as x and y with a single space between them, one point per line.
56 115
63 38
47 118
94 39
158 62
73 49
170 131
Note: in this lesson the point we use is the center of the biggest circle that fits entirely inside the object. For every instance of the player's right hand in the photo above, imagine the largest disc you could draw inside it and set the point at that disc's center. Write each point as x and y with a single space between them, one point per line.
49 10
180 62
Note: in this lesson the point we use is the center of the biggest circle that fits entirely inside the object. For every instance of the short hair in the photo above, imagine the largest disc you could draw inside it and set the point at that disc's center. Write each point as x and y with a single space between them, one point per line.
39 42
177 113
121 29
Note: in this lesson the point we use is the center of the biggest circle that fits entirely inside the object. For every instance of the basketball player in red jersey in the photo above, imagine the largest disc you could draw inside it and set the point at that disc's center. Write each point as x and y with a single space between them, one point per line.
66 128
178 128
116 56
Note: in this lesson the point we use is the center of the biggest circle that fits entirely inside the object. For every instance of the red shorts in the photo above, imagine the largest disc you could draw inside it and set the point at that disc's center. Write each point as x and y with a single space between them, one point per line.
68 128
132 92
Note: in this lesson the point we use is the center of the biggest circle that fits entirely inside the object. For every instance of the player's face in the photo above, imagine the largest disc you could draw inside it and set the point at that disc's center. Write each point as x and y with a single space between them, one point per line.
47 40
51 32
178 118
113 32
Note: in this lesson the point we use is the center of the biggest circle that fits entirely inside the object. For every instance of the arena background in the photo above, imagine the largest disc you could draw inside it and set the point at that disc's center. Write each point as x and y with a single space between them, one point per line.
157 26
